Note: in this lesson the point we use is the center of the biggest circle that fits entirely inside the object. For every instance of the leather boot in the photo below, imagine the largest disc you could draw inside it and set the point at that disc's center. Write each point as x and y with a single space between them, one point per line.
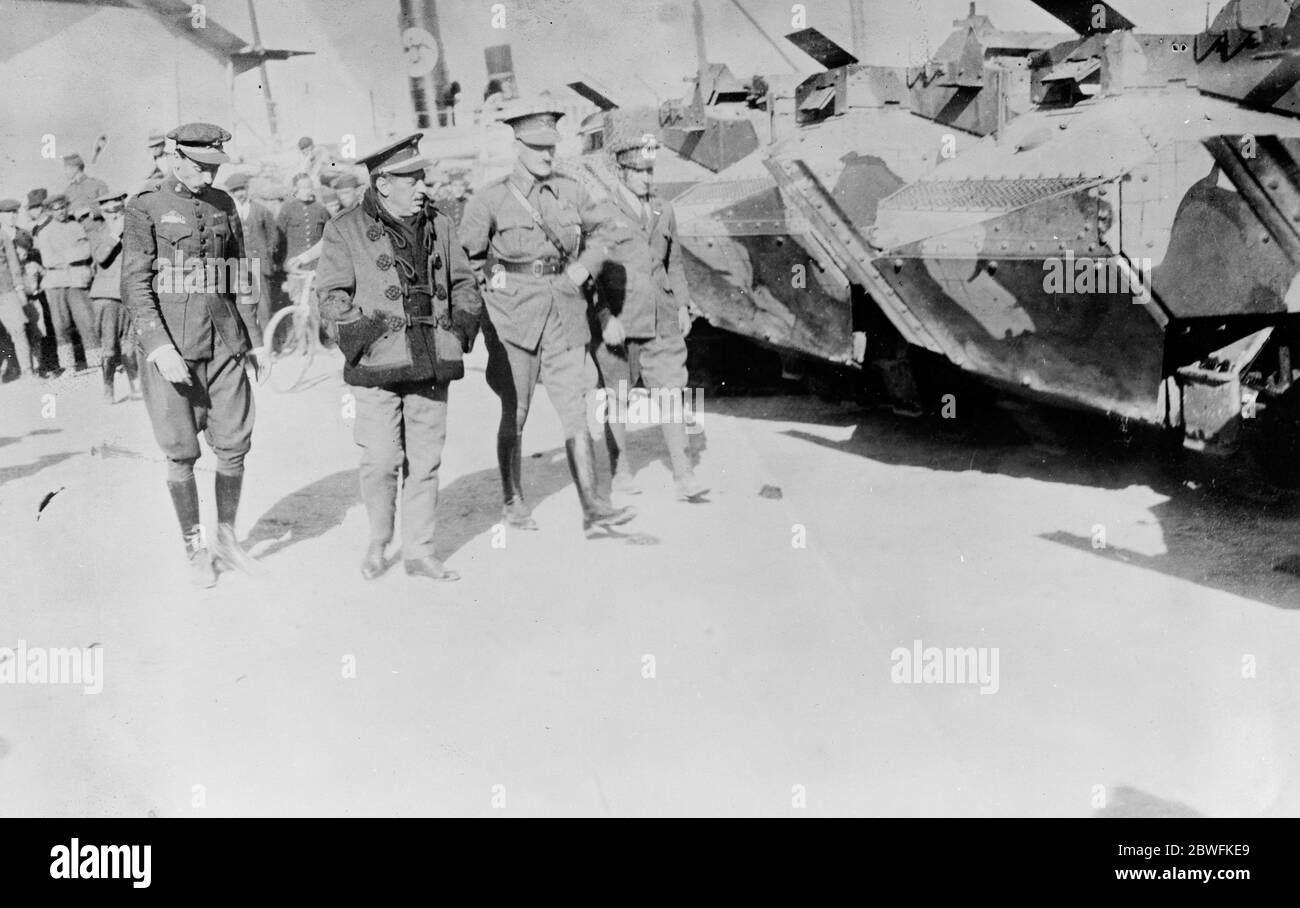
109 370
620 465
688 487
510 463
185 500
227 548
582 465
374 564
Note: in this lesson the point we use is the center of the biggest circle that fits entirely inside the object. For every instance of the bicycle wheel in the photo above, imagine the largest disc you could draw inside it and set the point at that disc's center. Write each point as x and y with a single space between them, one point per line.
289 353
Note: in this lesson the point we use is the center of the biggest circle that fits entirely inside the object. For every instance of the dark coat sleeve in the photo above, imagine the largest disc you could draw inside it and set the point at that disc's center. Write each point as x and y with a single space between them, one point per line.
140 249
466 300
336 282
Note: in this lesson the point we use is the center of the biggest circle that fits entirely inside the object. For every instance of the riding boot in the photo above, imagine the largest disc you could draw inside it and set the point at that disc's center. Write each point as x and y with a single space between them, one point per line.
108 369
582 465
185 500
227 548
688 487
510 464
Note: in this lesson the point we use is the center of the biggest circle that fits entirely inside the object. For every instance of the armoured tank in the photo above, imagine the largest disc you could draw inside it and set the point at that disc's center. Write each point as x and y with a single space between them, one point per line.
1106 221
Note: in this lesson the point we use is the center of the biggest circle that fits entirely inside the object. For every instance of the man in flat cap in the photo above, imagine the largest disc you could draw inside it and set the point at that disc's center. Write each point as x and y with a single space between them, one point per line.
534 238
349 190
13 290
186 283
116 340
394 279
262 242
157 145
66 266
82 190
35 216
642 307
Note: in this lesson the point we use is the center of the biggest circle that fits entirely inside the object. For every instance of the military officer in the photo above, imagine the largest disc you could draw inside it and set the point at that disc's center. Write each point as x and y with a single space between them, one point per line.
394 278
194 334
534 238
13 291
642 306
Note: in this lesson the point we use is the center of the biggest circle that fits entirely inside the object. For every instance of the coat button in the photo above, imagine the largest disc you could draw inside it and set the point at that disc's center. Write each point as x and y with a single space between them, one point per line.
440 292
384 262
393 293
374 232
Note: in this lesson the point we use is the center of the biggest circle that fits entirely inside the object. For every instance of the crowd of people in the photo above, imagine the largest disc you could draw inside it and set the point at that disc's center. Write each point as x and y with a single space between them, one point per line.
60 300
580 291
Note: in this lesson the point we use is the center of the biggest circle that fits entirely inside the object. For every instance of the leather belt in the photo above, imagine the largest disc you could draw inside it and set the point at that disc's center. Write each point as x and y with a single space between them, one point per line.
397 322
537 267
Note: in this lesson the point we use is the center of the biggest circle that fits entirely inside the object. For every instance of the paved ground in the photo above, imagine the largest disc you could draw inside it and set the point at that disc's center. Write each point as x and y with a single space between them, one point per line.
704 663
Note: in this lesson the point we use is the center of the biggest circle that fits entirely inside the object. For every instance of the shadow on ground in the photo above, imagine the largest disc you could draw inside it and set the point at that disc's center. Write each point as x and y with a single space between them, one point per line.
1223 528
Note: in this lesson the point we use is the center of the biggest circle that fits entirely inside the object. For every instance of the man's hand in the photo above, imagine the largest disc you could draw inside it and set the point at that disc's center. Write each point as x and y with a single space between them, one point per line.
577 274
254 363
613 334
684 320
172 366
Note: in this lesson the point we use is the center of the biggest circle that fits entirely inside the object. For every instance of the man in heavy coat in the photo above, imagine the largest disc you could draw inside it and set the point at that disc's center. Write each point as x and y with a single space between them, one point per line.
395 280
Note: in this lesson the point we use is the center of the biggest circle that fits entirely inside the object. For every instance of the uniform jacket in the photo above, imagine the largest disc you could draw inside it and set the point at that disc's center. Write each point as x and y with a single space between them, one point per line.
65 254
262 237
85 191
359 283
302 224
644 282
106 247
495 227
166 220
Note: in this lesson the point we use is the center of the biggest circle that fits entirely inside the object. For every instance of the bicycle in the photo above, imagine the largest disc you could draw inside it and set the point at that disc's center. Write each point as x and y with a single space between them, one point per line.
292 338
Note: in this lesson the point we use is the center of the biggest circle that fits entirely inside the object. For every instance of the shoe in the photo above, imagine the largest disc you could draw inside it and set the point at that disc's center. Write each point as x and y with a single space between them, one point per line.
230 553
516 515
203 572
430 567
374 564
596 513
623 483
690 489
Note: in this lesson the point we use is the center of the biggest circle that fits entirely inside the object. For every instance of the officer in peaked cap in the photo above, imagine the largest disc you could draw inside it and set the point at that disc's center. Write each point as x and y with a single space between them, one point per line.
535 238
186 283
642 307
393 277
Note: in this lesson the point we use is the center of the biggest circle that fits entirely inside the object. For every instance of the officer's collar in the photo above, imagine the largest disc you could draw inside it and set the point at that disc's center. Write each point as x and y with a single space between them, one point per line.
184 191
525 180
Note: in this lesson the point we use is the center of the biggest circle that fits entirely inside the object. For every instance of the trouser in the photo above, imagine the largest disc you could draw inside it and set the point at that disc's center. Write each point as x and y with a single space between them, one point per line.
262 291
69 306
13 317
400 430
661 363
113 320
513 373
218 402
